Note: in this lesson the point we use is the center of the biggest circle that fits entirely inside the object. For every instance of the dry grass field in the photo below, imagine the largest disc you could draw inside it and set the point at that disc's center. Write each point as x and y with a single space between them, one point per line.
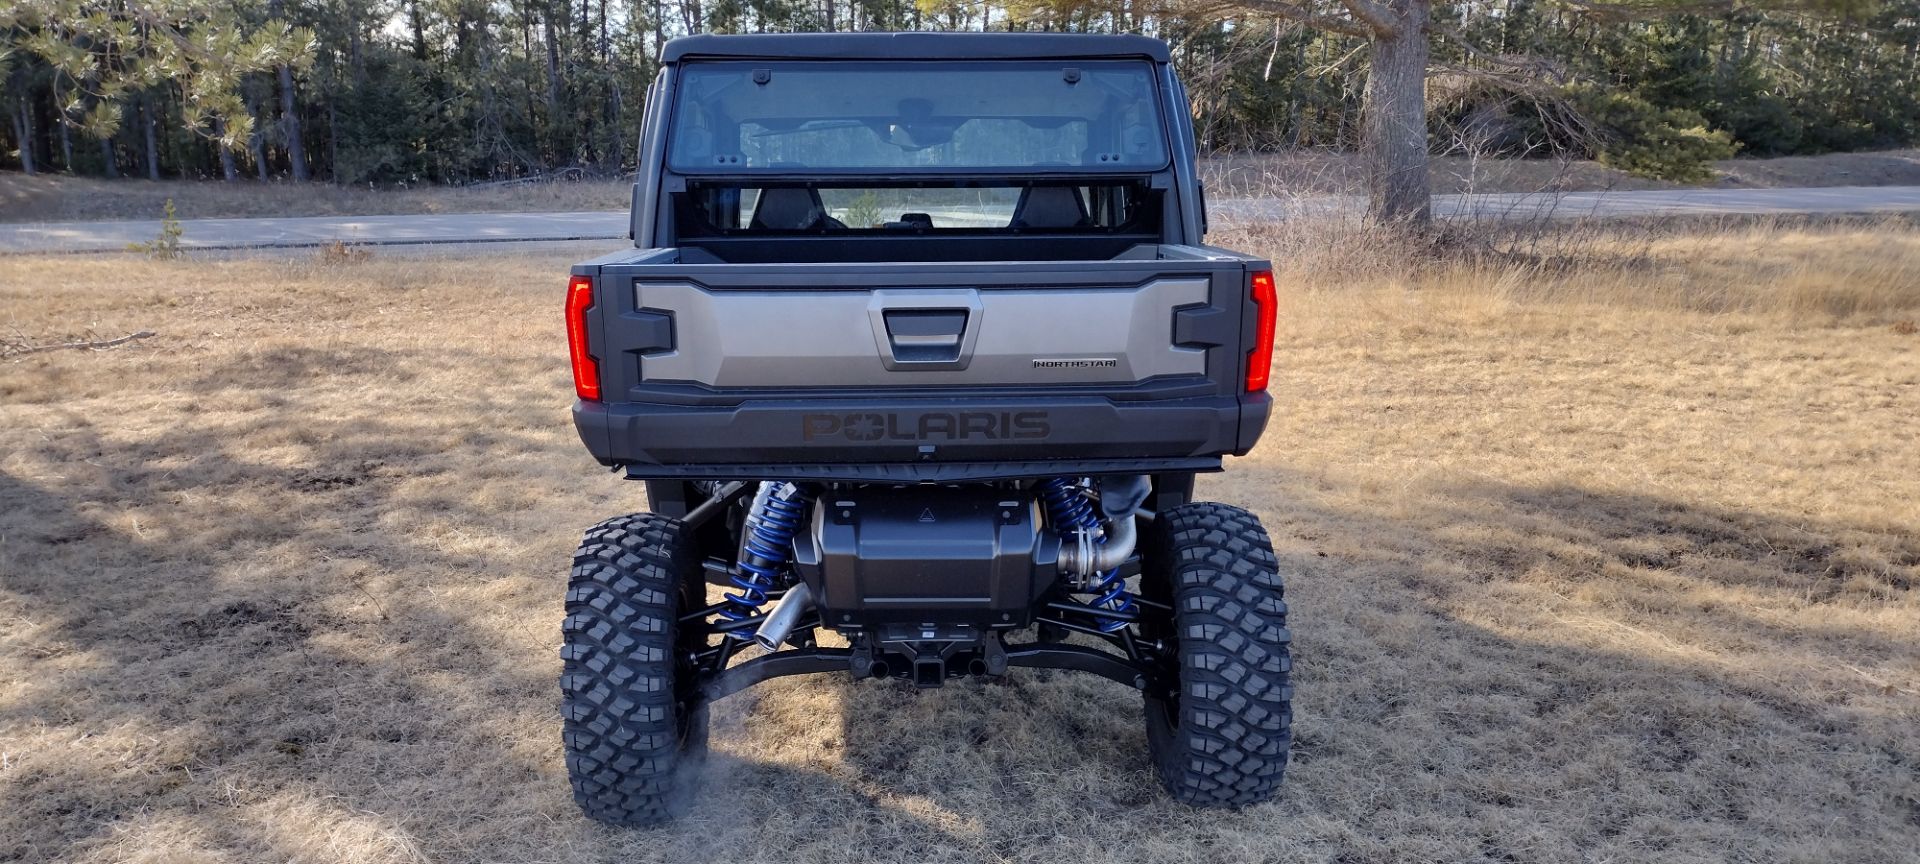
1320 173
1603 553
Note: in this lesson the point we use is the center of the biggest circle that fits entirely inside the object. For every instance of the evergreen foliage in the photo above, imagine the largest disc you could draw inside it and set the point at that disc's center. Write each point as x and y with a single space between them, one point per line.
462 91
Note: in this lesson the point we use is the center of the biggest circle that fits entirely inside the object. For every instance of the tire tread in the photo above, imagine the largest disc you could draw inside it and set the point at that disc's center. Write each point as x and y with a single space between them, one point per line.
621 726
1231 746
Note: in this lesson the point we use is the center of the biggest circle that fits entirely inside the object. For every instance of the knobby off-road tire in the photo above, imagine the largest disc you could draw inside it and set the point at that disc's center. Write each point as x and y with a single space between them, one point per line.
633 744
1222 739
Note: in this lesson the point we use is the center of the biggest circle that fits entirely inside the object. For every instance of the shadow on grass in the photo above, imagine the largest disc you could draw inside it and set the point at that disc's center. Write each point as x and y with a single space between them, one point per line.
286 664
204 650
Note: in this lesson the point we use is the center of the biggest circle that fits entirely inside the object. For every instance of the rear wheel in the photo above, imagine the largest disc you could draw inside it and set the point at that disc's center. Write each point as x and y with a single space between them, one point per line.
1220 739
632 727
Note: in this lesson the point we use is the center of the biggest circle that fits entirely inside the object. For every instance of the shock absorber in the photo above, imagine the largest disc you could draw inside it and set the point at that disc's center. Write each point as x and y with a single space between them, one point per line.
1072 515
766 547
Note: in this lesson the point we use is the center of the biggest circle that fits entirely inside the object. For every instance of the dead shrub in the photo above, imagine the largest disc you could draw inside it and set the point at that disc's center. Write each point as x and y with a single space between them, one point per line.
340 252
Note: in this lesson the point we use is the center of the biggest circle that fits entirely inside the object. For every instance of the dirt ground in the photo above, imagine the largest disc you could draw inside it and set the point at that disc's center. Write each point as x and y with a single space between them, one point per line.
52 198
1604 550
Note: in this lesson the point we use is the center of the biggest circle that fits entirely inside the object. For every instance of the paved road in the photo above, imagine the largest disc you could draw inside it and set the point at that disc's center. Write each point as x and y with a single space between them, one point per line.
612 225
317 231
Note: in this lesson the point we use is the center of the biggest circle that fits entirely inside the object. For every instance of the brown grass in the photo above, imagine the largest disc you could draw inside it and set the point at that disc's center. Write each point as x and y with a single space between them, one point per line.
340 252
1606 562
1316 172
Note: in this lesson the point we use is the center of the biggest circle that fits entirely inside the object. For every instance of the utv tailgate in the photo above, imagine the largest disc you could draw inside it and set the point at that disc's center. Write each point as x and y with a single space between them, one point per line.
727 370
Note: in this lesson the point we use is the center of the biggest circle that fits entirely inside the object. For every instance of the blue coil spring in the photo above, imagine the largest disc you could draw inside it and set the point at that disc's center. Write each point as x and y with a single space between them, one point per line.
778 512
1070 512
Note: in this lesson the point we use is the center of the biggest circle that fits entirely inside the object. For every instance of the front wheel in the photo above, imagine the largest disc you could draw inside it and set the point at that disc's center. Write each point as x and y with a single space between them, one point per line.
632 727
1220 739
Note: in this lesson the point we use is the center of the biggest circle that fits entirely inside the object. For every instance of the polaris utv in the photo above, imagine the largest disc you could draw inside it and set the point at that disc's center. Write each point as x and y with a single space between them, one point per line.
919 344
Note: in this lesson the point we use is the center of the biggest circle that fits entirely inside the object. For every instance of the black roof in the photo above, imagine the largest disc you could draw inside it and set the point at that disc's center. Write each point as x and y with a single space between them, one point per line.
914 46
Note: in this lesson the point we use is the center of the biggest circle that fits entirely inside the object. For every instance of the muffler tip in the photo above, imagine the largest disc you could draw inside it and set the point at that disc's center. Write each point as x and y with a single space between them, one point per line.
780 622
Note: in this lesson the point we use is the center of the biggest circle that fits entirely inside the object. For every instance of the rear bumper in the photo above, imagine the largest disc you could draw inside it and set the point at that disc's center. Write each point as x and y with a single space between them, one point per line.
920 439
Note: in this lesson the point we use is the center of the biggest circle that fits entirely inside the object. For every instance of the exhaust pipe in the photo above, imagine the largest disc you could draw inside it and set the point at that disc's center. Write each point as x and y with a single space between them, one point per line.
785 614
1085 558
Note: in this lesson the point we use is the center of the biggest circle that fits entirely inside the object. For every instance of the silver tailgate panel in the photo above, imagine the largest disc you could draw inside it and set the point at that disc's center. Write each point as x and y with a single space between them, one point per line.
792 338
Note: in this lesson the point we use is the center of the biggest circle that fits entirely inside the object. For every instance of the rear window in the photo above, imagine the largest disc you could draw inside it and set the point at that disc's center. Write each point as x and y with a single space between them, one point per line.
728 208
983 116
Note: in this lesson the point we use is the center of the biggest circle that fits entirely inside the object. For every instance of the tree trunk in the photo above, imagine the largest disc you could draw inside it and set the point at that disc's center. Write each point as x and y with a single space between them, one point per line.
290 121
147 134
1299 102
23 130
333 139
659 32
353 51
552 156
1394 120
66 133
419 27
553 66
256 142
228 171
106 154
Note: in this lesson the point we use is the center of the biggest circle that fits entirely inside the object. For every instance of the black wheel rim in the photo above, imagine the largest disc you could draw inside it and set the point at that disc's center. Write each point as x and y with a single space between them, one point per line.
691 640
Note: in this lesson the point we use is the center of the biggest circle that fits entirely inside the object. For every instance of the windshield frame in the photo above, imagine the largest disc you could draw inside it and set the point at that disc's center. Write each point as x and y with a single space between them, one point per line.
1157 104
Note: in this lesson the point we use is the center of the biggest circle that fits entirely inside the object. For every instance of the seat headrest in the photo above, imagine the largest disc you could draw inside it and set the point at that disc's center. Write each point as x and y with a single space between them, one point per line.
787 209
1050 207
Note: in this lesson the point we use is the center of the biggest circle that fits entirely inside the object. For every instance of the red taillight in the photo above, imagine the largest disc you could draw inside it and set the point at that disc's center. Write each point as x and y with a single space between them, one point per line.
586 370
1260 359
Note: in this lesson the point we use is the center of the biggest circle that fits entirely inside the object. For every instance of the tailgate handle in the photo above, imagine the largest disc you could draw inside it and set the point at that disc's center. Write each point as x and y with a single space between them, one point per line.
924 329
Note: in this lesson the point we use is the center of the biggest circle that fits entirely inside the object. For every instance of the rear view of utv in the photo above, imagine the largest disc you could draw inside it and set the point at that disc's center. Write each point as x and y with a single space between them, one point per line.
918 351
